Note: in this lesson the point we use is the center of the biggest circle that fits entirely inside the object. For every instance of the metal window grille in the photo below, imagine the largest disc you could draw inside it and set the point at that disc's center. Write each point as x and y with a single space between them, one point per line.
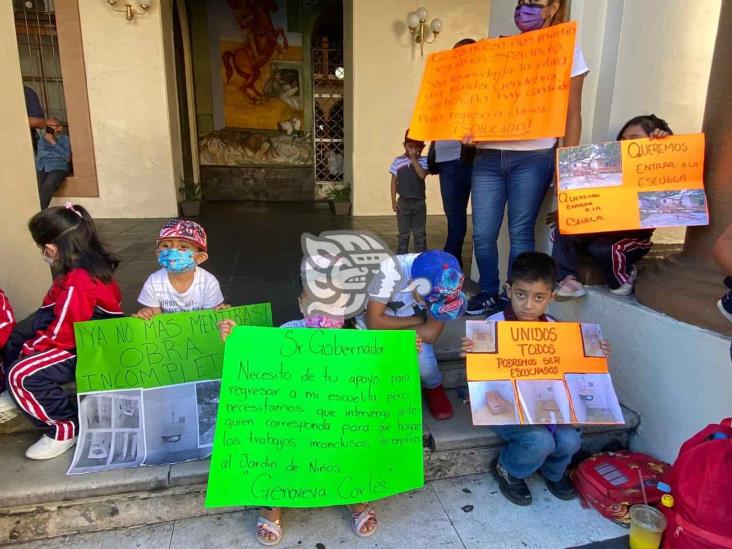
40 64
327 63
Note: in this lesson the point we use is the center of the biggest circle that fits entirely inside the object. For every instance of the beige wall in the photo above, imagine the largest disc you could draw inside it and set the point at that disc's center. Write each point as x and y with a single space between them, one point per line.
130 116
385 72
23 275
646 57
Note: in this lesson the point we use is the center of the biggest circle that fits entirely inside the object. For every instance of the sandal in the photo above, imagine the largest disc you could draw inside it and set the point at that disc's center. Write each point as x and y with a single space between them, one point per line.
360 518
265 526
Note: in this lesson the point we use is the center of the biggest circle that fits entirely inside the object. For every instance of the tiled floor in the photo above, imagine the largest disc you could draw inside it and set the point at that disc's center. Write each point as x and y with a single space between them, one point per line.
254 248
462 513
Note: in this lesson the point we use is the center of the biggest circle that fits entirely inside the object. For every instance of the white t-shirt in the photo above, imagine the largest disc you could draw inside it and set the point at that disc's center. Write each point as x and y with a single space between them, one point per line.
388 272
204 293
579 66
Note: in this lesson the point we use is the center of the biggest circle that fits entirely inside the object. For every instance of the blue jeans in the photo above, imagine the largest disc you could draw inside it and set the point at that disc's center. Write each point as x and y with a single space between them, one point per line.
455 189
533 447
519 178
429 372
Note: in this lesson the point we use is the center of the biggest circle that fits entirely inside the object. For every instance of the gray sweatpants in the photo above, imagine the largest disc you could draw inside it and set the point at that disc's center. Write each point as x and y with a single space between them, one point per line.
412 218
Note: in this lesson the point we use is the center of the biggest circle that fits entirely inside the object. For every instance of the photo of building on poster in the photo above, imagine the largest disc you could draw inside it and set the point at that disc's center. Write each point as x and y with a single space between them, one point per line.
589 166
121 429
685 207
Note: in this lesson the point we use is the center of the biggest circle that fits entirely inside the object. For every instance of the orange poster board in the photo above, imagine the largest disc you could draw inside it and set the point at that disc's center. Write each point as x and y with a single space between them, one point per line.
539 373
516 87
634 184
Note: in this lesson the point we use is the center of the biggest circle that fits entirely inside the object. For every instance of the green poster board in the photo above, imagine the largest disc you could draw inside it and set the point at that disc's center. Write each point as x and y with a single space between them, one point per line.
125 353
309 418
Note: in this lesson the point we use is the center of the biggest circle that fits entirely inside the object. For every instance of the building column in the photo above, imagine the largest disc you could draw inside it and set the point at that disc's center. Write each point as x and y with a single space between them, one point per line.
686 286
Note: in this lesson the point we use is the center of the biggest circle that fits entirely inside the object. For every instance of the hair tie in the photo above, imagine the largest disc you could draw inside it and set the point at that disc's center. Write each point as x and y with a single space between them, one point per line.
70 206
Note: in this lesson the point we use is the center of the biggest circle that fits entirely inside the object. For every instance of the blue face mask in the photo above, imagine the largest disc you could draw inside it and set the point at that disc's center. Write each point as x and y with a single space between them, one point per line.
176 261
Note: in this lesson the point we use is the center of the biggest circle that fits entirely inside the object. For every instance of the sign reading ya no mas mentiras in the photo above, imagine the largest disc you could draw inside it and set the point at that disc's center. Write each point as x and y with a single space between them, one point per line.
516 87
539 372
312 417
148 391
634 184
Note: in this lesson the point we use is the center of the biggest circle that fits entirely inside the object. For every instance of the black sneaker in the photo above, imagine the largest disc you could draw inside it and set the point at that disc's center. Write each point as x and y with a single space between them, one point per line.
482 303
515 489
562 488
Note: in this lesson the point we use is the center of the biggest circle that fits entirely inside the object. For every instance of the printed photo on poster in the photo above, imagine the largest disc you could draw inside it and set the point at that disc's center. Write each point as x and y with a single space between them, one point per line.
483 335
594 399
110 431
591 338
493 403
544 402
207 401
588 166
171 424
673 208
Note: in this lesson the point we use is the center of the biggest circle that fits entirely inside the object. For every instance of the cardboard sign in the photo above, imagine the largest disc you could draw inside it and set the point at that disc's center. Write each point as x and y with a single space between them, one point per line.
314 417
516 87
148 391
632 184
171 348
539 373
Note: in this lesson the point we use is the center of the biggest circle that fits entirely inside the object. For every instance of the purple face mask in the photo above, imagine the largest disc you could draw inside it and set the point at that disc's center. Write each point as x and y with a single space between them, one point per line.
528 17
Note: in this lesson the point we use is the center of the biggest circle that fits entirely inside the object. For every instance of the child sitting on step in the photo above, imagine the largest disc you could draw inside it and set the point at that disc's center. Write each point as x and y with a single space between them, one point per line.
180 284
530 448
37 364
7 323
363 516
615 252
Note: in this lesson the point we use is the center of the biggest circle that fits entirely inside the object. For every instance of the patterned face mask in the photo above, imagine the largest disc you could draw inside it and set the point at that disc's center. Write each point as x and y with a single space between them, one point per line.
322 321
176 261
450 307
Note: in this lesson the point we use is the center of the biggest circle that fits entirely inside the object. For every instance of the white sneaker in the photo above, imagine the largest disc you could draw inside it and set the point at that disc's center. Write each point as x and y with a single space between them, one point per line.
8 409
48 448
627 288
570 288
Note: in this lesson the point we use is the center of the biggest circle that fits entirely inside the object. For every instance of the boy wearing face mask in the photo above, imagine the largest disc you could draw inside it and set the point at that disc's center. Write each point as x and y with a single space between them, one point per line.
180 284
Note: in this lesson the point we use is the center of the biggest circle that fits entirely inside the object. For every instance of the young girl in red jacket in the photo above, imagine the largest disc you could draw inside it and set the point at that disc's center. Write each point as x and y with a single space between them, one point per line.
37 363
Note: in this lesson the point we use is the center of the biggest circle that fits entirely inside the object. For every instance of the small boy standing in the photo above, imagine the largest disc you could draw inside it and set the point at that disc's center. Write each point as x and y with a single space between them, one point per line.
180 284
530 448
408 172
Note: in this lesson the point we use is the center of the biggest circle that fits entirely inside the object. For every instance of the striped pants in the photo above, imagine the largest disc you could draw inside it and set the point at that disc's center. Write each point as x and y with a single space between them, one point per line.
34 382
615 255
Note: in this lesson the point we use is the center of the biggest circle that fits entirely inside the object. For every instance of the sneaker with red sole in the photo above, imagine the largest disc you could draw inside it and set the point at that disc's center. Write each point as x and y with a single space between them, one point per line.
438 403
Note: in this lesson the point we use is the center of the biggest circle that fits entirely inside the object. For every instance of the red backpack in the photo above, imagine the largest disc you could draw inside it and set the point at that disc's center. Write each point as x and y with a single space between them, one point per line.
701 484
610 483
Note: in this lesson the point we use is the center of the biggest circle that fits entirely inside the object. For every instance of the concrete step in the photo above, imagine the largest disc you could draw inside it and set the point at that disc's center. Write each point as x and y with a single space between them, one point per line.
456 447
39 501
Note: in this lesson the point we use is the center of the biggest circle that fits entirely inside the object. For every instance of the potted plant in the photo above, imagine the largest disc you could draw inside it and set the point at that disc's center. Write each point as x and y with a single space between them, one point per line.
339 198
191 192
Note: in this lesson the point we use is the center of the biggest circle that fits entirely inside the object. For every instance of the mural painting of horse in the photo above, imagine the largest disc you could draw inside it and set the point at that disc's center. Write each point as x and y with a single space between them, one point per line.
262 40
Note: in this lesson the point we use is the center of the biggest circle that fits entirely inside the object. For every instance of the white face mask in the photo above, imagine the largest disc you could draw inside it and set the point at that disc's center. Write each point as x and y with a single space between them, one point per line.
49 260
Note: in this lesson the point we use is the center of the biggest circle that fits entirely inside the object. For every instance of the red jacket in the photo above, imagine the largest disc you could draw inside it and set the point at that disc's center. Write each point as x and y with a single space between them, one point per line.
7 320
75 297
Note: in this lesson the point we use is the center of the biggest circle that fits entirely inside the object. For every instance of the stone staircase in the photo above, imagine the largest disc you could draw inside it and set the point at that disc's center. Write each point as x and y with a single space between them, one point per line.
38 500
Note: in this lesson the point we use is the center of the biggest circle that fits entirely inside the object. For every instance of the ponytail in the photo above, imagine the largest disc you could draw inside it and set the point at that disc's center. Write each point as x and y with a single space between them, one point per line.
72 230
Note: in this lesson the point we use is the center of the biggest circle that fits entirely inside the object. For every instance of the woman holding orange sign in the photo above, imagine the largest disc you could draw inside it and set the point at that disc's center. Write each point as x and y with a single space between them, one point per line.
518 173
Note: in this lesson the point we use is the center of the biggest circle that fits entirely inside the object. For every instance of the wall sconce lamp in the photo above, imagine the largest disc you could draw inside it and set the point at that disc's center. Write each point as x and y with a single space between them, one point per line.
129 9
417 21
